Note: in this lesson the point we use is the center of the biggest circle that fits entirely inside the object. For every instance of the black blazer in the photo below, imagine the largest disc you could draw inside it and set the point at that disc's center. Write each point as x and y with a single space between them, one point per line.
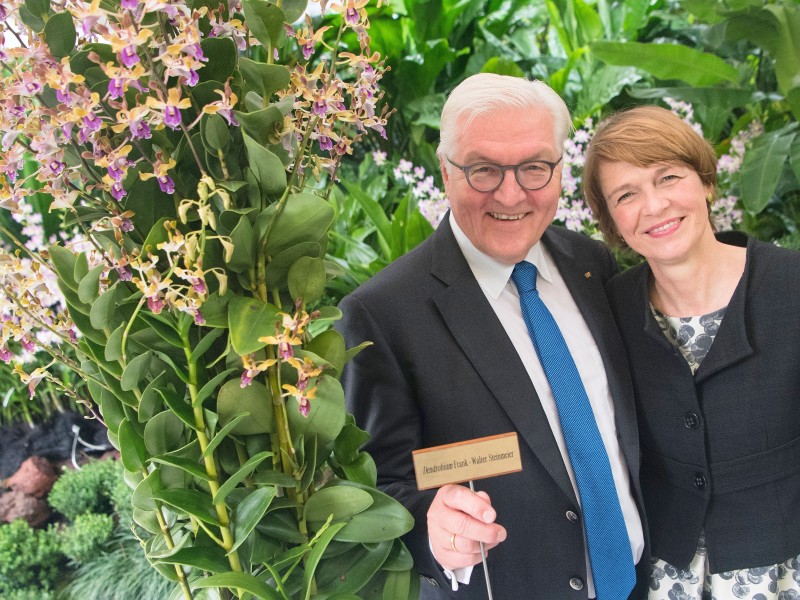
443 370
721 450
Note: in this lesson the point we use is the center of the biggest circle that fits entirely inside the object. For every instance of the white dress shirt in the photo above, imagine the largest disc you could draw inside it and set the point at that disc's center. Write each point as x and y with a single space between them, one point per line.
494 279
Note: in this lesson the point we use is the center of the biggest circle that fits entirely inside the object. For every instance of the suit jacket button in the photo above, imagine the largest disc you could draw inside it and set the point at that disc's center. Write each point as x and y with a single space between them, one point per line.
700 481
576 583
691 420
572 517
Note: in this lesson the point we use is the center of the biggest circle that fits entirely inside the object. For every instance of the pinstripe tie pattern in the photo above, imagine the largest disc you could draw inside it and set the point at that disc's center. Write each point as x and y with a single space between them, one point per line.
607 537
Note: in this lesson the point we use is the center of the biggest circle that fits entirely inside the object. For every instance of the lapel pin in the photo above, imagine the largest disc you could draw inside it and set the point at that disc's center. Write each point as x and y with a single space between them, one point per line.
587 274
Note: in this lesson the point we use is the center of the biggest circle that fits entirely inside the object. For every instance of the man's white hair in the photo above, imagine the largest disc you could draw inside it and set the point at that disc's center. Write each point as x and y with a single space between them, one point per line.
488 92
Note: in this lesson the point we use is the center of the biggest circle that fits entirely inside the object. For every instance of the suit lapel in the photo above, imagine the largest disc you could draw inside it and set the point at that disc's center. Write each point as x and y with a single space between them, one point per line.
477 330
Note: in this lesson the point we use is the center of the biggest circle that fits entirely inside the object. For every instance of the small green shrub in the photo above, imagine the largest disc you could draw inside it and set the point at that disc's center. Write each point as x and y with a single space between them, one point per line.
85 537
29 559
88 490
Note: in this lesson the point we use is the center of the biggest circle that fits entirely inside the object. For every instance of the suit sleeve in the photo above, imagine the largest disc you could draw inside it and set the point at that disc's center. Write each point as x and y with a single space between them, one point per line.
381 397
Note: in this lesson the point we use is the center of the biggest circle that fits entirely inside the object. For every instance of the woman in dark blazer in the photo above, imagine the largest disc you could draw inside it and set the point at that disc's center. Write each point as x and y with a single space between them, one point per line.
711 325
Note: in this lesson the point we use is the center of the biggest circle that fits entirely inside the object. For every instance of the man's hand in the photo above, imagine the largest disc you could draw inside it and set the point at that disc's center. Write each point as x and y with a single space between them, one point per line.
458 520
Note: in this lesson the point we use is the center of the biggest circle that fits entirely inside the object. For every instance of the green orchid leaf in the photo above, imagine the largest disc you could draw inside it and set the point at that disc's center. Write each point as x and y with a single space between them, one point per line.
305 218
63 262
163 327
222 53
132 449
164 433
222 434
315 556
385 520
264 79
136 370
192 467
336 503
205 558
240 475
261 125
761 168
266 167
239 581
150 403
249 513
350 572
157 235
281 525
265 21
243 246
208 389
348 443
399 558
60 34
89 286
215 310
397 585
667 61
326 415
250 319
178 406
307 279
205 344
215 134
144 493
113 350
294 9
34 13
179 370
255 399
81 268
102 312
277 270
329 345
277 478
191 502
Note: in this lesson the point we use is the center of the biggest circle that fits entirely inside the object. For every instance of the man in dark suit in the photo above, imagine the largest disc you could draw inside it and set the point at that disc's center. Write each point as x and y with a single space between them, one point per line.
452 360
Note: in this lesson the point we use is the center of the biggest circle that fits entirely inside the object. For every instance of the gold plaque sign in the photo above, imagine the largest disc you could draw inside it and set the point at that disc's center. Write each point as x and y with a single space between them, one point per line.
466 461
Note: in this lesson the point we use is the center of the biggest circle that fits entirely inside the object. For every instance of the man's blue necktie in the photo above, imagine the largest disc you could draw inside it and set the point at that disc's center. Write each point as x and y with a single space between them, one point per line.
607 537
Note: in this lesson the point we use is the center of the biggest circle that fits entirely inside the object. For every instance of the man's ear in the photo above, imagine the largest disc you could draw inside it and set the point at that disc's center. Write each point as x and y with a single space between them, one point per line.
443 168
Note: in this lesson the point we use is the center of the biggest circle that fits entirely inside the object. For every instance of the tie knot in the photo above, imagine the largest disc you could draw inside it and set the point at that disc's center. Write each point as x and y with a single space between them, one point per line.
524 277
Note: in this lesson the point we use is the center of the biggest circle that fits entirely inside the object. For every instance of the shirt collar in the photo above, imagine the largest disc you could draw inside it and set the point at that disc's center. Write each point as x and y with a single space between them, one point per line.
491 274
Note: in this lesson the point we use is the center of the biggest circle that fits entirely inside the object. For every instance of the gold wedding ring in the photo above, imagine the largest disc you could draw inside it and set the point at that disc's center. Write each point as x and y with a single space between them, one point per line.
453 542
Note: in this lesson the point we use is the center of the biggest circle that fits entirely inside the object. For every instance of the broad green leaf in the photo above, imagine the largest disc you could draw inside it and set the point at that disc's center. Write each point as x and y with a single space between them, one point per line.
255 399
362 470
265 21
399 559
222 434
239 581
63 262
113 351
277 270
103 309
315 556
190 466
191 502
144 494
761 169
34 13
787 51
214 132
397 585
163 327
221 52
386 519
329 345
249 512
350 572
136 370
266 167
281 525
132 449
262 125
305 218
205 558
215 310
337 503
89 285
351 438
263 78
376 214
242 239
179 407
157 235
150 402
667 61
240 475
326 416
204 344
307 279
294 9
794 157
250 319
163 433
60 34
502 66
208 389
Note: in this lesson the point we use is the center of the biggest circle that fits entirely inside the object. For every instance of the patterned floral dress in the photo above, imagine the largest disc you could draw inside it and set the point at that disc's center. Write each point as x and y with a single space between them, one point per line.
693 337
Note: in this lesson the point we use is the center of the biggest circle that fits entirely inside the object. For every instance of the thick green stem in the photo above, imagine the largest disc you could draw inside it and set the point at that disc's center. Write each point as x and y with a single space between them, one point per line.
208 461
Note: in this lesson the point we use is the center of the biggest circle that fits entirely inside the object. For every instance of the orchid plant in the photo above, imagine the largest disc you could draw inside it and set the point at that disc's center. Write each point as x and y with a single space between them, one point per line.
193 144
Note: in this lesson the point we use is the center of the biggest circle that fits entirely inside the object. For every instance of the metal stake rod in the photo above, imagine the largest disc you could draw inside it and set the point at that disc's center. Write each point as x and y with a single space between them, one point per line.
483 559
